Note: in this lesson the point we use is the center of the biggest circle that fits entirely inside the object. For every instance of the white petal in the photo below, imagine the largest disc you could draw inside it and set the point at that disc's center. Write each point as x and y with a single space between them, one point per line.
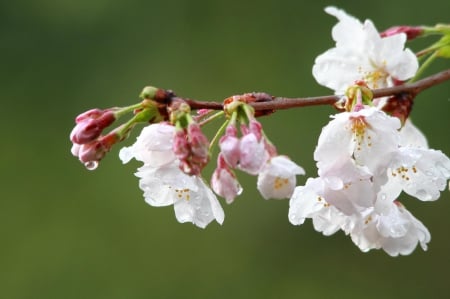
329 221
156 193
172 175
338 68
411 136
396 231
284 167
361 54
199 207
334 142
306 201
422 173
278 178
405 245
379 140
153 146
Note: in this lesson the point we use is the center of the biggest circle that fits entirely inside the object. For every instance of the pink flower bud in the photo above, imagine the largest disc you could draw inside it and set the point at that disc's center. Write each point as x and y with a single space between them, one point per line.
229 147
191 147
255 127
224 182
181 145
96 150
410 31
253 154
88 129
198 142
93 151
93 113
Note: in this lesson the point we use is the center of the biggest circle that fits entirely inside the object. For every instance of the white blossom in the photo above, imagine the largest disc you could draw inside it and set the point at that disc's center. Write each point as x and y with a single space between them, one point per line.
164 183
361 54
153 146
365 161
388 225
193 200
277 178
310 201
356 145
420 172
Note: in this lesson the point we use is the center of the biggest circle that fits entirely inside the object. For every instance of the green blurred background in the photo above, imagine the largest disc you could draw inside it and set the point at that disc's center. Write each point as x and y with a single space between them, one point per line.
70 233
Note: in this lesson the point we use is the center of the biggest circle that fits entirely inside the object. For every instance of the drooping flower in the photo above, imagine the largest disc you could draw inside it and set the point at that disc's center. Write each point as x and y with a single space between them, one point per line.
362 54
224 181
192 199
153 146
252 154
229 146
390 226
384 224
255 155
164 183
248 153
422 173
310 202
277 178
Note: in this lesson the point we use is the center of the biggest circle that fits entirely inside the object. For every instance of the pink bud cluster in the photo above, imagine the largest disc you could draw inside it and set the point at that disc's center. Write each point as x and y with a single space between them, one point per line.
191 147
255 155
248 153
88 143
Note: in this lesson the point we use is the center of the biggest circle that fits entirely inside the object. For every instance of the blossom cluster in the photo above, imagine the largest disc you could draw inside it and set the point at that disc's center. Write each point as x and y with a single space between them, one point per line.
173 159
367 156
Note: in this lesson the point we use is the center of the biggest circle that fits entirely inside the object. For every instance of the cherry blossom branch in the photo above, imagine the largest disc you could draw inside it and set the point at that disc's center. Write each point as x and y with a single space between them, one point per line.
266 102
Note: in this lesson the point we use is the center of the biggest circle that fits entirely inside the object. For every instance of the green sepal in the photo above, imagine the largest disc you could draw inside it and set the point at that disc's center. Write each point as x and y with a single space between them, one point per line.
149 92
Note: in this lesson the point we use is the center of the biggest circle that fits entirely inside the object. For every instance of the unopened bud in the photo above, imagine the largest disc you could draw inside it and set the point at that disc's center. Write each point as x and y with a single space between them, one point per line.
224 181
229 146
93 113
410 31
149 92
198 142
91 153
180 145
399 106
89 129
255 127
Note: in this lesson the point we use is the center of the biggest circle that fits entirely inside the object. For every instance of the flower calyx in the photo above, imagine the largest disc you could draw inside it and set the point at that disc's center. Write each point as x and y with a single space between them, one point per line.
357 96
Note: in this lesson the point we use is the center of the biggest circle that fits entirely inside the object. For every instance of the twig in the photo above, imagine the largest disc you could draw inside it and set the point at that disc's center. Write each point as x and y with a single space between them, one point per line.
278 103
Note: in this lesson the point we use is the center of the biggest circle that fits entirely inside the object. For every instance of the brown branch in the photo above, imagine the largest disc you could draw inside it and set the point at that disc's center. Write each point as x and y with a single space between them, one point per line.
265 102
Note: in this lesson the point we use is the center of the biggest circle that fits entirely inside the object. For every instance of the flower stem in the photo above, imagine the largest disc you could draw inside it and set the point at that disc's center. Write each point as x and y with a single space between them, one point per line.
424 66
125 110
219 133
211 118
